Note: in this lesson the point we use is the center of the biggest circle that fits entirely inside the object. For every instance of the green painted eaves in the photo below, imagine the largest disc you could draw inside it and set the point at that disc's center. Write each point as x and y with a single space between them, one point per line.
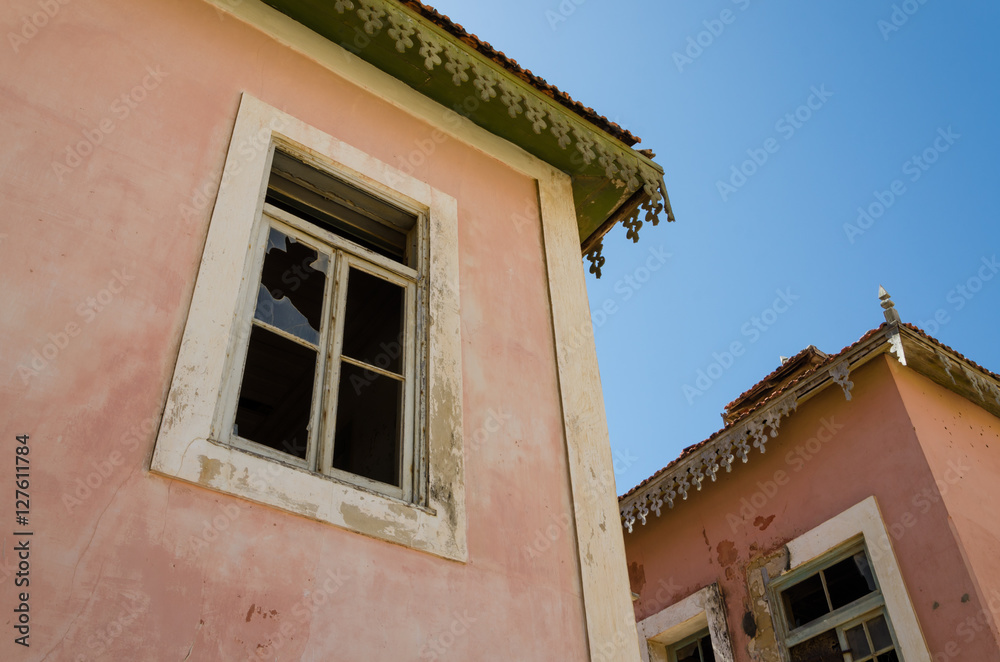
394 38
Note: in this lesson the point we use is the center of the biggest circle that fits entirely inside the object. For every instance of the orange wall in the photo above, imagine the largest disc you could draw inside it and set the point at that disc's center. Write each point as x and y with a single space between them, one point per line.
876 452
962 444
121 574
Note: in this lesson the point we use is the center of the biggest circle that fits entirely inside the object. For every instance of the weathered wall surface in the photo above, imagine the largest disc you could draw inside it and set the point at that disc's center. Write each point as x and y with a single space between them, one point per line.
962 444
116 115
747 517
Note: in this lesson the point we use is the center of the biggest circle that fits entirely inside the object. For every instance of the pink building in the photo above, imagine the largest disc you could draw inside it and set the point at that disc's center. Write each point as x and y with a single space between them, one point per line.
298 354
867 531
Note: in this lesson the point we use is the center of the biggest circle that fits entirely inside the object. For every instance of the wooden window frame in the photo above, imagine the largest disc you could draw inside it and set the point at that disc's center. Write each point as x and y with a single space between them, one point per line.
343 254
194 445
840 619
671 649
702 610
863 524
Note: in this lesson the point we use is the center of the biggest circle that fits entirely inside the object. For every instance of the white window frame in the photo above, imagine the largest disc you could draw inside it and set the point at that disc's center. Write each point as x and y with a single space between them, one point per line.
700 611
193 444
859 526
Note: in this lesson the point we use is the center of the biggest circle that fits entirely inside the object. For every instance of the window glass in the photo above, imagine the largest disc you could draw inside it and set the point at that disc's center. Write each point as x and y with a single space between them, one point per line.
841 593
699 650
276 393
292 284
879 631
857 641
358 324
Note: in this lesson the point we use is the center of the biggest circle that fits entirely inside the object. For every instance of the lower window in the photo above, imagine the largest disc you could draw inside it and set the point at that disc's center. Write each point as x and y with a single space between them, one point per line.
832 610
697 648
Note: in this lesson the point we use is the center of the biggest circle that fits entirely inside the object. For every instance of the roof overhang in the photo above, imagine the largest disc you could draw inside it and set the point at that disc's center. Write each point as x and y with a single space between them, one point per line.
911 347
612 182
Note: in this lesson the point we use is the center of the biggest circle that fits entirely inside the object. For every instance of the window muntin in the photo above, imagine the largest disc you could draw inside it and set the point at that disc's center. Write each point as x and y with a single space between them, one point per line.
327 355
193 441
833 611
696 648
832 587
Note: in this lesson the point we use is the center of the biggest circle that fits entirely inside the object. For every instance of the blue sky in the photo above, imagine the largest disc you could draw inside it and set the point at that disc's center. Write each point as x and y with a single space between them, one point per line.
775 122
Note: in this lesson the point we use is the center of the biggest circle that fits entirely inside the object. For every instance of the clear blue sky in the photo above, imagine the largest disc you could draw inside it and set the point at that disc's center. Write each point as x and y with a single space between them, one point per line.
887 81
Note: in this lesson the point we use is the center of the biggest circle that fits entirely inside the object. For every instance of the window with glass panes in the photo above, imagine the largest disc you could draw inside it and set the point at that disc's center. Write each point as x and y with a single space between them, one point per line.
330 332
833 611
697 648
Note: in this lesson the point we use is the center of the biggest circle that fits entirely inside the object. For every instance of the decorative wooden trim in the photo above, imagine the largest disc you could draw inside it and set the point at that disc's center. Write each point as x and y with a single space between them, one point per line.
445 56
754 432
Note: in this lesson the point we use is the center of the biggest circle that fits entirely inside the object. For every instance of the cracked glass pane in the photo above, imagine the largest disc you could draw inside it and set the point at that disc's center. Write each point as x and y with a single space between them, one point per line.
688 653
292 284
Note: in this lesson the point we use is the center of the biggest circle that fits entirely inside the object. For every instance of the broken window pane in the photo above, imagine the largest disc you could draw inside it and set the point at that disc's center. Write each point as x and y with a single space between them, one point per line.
369 420
373 321
821 648
857 641
849 580
879 631
805 602
292 285
276 392
888 657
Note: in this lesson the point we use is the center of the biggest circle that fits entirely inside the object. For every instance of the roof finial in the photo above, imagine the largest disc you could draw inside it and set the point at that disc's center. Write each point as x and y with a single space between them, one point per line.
888 307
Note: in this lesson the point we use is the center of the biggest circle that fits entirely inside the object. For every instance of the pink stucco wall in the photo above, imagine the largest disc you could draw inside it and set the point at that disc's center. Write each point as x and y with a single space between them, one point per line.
98 267
875 452
962 445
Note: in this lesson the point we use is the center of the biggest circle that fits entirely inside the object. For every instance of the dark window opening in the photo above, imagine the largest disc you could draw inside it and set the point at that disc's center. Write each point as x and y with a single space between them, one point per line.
699 650
338 207
330 328
835 586
805 602
276 394
821 648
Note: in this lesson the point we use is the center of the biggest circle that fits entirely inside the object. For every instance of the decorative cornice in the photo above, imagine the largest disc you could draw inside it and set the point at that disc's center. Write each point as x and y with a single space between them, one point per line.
445 57
926 355
839 373
720 452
